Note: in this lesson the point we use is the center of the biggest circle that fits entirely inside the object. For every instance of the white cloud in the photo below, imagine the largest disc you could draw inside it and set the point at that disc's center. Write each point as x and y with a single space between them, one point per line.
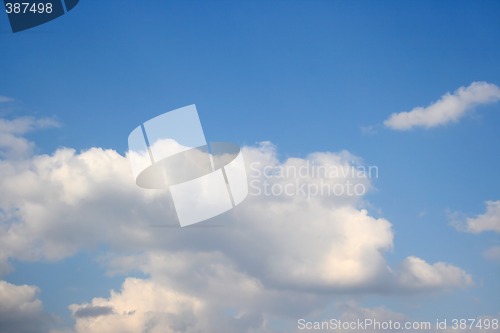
21 311
488 221
141 306
62 203
449 108
145 306
416 273
275 255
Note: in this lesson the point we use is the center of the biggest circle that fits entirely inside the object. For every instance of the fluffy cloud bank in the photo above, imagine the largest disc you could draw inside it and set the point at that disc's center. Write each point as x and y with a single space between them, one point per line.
274 255
449 108
168 311
59 204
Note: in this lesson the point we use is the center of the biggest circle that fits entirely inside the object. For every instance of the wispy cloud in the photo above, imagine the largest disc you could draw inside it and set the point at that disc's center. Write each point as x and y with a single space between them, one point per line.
12 142
489 221
5 99
449 108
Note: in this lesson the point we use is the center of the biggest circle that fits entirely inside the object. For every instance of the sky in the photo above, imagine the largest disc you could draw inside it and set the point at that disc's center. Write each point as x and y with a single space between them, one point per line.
411 89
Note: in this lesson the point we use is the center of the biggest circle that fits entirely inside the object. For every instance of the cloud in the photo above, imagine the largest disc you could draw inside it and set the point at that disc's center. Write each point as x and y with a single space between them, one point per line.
66 202
489 221
21 311
12 142
138 307
5 99
416 273
449 108
275 255
145 306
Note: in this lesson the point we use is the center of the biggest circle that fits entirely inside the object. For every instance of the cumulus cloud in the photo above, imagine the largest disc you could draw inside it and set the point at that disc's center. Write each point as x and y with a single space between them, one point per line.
145 306
488 221
449 108
62 203
21 311
273 255
141 306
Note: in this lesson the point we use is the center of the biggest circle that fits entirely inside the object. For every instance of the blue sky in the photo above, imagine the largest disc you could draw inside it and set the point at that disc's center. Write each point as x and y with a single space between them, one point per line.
318 76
